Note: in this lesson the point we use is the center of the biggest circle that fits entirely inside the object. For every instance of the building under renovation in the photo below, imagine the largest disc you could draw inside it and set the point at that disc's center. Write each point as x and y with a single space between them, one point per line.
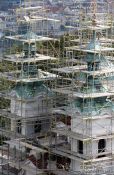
57 106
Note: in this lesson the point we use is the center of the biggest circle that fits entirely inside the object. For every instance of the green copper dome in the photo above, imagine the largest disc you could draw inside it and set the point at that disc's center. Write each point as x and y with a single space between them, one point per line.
31 90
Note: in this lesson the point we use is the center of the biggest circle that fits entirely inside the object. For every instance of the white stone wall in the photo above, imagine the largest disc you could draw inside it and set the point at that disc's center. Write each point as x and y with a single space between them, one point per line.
29 108
98 129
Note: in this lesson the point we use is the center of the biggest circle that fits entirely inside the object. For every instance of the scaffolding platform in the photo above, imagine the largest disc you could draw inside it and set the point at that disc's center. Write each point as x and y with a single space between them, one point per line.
80 158
94 51
74 94
98 27
37 18
37 39
102 40
104 71
14 77
70 69
19 58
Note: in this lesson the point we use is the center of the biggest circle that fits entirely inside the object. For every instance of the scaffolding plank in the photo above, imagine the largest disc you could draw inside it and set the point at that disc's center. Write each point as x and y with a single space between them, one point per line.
95 51
70 69
82 95
12 76
106 71
39 39
75 156
19 58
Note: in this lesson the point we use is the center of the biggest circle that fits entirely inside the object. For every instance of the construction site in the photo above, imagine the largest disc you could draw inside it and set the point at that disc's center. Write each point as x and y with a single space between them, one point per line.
57 90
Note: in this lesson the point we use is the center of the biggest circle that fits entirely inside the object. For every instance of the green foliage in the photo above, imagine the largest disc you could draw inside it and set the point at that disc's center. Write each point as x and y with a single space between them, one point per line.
55 47
4 122
4 103
5 85
6 67
14 49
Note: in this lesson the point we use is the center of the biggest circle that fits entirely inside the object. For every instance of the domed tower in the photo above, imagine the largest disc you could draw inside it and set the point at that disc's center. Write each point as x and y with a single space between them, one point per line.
30 96
89 142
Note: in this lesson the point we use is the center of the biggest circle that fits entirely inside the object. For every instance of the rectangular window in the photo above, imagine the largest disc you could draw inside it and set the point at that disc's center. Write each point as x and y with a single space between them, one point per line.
80 146
101 145
101 148
37 126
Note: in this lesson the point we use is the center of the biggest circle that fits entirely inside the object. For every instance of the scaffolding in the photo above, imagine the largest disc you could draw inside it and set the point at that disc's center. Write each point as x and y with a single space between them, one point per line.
26 96
57 107
85 121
